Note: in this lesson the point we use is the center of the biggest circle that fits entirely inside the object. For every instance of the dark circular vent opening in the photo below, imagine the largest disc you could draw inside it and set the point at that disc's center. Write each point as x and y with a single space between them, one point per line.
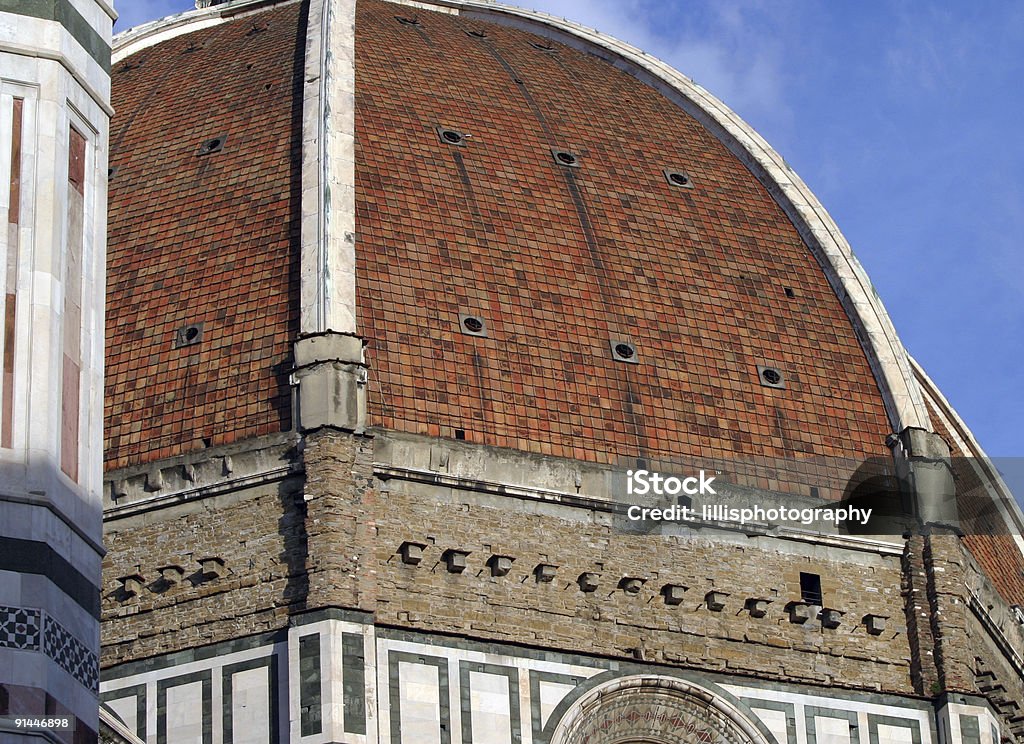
214 144
452 136
188 335
679 179
473 324
407 21
626 351
771 376
566 158
478 34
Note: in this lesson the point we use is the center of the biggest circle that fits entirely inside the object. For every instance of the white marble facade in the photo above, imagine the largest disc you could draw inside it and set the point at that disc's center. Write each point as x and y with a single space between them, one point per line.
54 90
370 685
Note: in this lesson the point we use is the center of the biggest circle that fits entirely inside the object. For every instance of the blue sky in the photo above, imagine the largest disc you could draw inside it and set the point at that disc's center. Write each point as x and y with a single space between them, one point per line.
904 118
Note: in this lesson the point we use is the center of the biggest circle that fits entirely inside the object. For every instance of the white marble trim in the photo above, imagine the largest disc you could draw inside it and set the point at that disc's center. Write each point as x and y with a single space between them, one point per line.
328 292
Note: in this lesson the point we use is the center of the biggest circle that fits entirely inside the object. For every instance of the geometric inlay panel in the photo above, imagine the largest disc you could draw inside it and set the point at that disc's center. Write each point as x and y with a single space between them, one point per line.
71 655
19 628
28 629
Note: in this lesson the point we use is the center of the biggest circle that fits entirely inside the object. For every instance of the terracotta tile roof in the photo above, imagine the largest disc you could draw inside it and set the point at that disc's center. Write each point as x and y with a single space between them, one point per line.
203 239
559 261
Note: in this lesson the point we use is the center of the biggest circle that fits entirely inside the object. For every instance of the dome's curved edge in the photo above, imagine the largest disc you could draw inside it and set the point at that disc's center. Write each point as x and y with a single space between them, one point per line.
902 396
145 35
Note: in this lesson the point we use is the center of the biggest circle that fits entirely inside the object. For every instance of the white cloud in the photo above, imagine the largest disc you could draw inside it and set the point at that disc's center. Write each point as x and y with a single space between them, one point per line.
926 43
732 49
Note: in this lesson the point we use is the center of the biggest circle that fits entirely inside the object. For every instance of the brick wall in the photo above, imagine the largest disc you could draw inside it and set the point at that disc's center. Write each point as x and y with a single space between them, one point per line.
262 542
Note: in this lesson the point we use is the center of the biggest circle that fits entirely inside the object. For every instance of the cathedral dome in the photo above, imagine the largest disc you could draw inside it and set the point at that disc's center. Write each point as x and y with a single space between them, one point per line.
547 241
400 297
521 183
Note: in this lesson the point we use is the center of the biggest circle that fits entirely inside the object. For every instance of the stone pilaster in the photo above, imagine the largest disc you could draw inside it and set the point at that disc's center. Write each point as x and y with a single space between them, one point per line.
945 564
923 463
340 520
918 608
331 377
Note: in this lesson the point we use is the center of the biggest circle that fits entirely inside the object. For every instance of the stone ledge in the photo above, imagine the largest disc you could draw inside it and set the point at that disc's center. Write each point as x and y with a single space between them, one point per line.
199 475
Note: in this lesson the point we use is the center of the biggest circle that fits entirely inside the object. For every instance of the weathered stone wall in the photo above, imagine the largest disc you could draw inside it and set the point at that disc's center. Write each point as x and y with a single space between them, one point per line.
336 542
946 562
259 536
609 621
999 683
518 608
278 559
970 640
342 506
991 635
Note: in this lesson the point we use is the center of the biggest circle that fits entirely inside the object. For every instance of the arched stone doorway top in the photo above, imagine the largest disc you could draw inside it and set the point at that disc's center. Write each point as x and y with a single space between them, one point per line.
648 709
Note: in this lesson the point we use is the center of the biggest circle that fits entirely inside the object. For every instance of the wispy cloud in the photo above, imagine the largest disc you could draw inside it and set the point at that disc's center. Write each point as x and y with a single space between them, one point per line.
925 45
701 40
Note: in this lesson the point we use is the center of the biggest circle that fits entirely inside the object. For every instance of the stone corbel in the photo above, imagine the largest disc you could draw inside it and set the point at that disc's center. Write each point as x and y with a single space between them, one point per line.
923 463
330 374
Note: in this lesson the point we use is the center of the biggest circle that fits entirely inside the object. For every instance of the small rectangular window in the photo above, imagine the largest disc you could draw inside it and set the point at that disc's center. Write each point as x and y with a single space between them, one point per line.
810 588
